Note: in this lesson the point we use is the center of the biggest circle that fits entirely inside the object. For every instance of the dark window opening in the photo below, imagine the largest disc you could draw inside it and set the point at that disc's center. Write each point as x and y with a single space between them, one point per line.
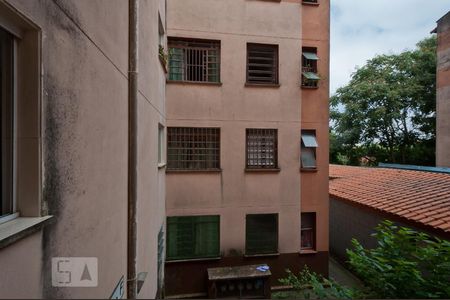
190 148
261 234
194 60
191 237
6 121
308 231
308 149
310 77
310 1
262 148
262 64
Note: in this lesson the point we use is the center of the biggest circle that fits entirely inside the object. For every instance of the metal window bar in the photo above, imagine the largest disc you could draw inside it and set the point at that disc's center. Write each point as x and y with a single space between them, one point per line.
194 60
262 64
262 148
191 148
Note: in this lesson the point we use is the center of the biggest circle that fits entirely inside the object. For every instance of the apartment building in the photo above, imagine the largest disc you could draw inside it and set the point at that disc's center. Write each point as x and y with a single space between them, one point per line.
64 154
443 92
247 139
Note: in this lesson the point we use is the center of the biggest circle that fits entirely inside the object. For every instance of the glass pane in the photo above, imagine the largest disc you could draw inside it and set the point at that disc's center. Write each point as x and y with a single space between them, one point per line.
308 158
310 56
6 121
309 139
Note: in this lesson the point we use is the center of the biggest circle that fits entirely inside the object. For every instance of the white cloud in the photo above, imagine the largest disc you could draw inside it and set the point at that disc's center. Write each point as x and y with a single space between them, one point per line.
362 29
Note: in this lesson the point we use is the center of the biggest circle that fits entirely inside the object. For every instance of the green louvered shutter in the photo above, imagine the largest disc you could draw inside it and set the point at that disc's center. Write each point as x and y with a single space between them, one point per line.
261 234
193 237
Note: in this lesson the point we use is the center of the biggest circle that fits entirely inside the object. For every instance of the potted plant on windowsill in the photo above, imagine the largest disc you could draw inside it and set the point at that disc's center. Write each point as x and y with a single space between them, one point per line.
163 57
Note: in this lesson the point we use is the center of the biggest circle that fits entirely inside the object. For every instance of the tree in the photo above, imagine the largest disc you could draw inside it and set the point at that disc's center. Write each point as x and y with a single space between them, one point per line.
309 285
388 109
405 264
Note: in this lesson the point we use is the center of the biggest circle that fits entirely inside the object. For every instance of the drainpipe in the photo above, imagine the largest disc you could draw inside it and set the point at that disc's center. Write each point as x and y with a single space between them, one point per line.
133 44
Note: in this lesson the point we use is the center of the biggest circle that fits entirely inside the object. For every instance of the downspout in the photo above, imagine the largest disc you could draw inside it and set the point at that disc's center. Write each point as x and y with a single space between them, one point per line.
133 44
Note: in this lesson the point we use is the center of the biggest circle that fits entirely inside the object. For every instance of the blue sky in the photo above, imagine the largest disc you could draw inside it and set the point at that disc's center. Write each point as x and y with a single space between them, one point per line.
360 29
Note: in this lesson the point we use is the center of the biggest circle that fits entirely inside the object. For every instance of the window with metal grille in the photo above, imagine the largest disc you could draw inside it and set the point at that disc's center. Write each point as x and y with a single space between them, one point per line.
261 234
308 149
193 237
308 231
310 78
6 122
194 60
193 148
262 148
262 64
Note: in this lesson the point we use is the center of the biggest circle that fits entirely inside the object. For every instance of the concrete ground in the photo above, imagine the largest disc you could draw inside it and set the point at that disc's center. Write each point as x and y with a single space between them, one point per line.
343 276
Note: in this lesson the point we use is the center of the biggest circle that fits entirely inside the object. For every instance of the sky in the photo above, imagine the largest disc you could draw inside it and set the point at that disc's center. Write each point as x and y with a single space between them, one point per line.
361 29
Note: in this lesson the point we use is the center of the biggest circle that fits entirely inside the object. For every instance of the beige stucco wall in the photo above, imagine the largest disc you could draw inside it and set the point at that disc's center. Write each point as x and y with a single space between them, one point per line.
233 193
443 93
85 135
21 263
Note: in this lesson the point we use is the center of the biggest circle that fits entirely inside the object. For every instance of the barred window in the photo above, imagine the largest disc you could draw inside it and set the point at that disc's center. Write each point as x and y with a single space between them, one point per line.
193 237
262 64
191 148
194 60
262 148
261 234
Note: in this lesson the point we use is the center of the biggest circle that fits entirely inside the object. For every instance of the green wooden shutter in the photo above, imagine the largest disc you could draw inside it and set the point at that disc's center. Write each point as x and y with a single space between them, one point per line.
261 234
193 237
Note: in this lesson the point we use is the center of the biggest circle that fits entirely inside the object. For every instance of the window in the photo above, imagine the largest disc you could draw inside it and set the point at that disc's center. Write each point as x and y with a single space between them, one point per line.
6 121
161 144
308 231
262 149
193 148
193 237
261 233
262 64
194 60
310 1
310 78
308 149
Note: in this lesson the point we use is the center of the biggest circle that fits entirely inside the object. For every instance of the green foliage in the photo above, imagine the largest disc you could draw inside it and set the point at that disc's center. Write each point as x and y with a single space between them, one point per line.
388 109
405 264
309 285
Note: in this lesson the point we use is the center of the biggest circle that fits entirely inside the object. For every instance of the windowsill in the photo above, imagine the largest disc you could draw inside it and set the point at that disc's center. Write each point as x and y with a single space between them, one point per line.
271 170
262 255
269 85
194 171
304 87
308 170
19 228
307 251
161 165
193 83
193 259
309 3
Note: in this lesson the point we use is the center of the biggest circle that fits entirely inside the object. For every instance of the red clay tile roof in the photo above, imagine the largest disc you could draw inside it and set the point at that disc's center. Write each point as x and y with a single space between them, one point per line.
420 197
